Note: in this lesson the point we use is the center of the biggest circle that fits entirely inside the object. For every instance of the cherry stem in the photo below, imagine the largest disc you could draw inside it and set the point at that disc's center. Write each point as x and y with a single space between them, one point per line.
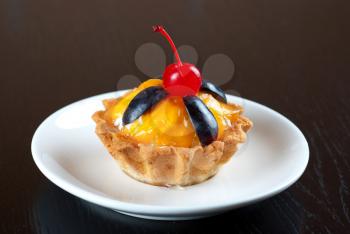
162 31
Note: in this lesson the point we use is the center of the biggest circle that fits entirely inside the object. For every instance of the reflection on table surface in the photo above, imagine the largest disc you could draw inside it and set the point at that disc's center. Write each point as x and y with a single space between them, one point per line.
60 212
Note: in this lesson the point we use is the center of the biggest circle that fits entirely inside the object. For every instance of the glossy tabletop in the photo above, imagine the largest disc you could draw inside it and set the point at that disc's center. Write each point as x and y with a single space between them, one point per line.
292 56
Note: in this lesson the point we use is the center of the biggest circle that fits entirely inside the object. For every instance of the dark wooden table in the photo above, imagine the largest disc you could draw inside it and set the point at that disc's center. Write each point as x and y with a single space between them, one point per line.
293 56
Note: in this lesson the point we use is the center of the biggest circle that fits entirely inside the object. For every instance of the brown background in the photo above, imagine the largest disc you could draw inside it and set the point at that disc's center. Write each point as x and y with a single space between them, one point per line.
290 55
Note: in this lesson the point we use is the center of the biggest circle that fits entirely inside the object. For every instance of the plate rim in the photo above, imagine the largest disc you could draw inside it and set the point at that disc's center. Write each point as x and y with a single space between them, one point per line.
130 207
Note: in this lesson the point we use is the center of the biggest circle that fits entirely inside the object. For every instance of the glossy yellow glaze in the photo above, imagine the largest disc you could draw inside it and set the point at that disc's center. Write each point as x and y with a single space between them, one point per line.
168 123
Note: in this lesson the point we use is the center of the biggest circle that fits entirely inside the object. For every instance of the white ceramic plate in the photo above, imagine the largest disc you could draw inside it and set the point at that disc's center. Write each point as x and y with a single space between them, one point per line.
67 151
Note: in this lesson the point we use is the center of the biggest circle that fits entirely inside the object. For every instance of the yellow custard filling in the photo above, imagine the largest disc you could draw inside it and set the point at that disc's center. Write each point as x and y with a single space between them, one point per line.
168 123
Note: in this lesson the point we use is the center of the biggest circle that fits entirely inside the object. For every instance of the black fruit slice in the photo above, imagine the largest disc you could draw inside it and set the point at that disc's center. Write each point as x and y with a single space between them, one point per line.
202 119
142 102
214 90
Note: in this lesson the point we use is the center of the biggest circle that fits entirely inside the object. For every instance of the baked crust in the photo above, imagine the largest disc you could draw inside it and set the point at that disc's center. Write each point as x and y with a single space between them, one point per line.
169 165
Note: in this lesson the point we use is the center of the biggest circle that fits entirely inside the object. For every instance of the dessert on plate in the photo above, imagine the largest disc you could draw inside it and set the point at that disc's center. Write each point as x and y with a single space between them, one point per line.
178 130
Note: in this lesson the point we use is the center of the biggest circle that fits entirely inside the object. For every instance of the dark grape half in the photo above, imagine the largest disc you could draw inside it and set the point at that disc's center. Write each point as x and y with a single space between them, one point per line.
213 90
202 119
142 102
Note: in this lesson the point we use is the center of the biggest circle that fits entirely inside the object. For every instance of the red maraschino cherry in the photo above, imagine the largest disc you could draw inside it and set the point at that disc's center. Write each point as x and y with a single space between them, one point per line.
179 79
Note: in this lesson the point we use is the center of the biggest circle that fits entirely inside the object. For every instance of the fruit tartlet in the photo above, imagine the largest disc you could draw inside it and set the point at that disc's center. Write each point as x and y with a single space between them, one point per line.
177 130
